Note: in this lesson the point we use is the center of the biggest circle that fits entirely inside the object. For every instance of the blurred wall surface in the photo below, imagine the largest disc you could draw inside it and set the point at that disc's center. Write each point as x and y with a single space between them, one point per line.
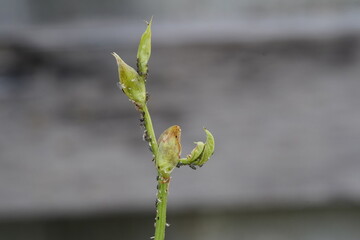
43 11
277 82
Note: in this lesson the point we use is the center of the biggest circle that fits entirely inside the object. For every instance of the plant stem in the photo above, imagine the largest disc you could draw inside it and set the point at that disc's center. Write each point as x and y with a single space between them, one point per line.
161 202
184 161
163 184
150 131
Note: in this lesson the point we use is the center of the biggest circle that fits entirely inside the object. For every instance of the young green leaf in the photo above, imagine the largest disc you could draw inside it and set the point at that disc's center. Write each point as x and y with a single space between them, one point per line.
169 151
144 51
194 155
208 149
131 83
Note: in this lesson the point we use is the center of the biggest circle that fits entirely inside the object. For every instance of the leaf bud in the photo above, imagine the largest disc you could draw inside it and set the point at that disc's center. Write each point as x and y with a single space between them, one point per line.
169 151
144 51
131 83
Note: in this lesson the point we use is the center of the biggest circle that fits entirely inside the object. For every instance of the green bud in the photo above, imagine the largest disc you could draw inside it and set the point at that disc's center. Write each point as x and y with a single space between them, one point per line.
144 51
169 151
131 83
208 149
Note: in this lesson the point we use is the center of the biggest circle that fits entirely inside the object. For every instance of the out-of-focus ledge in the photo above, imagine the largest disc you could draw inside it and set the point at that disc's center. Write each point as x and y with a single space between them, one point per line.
109 33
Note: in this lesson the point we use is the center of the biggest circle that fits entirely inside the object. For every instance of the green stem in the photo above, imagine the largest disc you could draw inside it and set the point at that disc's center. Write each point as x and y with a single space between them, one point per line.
161 202
185 161
163 184
150 131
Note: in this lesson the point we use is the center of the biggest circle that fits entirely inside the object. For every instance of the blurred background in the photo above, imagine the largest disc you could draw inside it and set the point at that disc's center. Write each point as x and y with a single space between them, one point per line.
276 81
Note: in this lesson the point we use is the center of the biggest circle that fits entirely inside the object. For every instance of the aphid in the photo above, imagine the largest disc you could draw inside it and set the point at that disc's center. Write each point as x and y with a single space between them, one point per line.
192 166
137 63
137 106
142 124
145 136
142 121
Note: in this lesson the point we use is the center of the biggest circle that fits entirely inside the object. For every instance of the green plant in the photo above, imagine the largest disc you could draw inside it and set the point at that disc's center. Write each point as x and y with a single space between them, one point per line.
166 151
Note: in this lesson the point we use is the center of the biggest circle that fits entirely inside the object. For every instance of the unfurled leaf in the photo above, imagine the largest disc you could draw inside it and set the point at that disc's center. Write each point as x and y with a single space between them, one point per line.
208 149
201 153
194 155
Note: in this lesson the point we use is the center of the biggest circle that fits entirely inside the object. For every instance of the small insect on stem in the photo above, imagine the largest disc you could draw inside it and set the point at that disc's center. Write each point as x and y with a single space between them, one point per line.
179 165
146 137
192 166
142 124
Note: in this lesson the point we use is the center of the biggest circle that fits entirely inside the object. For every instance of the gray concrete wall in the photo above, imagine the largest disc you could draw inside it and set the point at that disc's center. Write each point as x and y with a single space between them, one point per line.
279 92
23 12
284 113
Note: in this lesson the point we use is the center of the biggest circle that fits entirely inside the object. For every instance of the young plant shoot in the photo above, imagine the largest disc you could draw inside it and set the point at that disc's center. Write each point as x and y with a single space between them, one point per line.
166 151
